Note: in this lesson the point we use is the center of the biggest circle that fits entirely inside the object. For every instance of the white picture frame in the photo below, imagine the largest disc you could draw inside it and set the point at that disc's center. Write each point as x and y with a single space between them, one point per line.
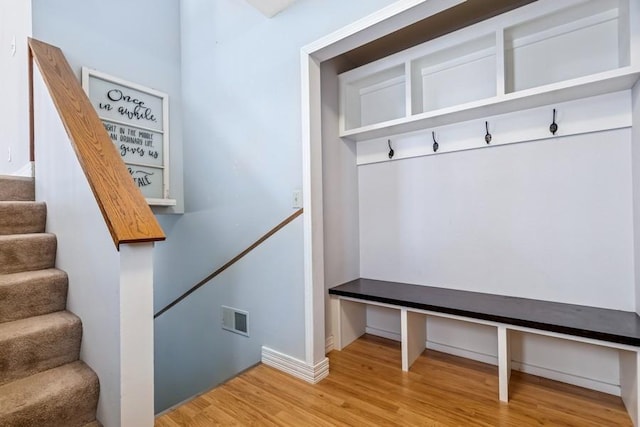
137 121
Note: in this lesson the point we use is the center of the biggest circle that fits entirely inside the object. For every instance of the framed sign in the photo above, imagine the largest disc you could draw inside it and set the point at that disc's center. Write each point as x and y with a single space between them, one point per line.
137 121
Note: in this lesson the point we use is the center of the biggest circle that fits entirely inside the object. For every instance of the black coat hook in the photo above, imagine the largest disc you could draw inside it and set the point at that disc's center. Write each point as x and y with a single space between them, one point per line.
435 143
391 153
487 136
553 128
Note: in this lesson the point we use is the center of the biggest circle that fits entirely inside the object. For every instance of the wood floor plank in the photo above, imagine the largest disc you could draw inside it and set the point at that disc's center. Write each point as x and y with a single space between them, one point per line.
239 409
366 387
317 401
165 421
285 411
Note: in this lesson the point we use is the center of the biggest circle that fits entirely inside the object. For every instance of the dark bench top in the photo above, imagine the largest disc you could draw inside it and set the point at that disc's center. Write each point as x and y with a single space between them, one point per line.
616 326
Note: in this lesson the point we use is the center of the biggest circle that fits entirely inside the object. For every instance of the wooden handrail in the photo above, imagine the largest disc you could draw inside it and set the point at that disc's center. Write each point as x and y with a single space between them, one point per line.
123 206
233 260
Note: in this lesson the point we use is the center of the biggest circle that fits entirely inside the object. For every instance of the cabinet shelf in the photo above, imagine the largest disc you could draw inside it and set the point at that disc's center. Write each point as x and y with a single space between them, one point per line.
543 53
582 87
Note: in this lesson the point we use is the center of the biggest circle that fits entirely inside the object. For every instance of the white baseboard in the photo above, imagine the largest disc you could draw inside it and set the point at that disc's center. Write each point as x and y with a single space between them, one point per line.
490 359
463 352
589 383
295 367
395 336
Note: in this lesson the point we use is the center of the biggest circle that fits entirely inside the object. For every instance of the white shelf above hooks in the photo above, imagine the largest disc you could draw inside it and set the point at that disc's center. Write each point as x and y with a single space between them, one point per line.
498 66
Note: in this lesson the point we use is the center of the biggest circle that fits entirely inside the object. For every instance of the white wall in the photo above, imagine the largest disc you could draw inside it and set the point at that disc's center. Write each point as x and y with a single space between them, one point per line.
340 214
549 220
241 96
85 251
635 155
15 24
137 41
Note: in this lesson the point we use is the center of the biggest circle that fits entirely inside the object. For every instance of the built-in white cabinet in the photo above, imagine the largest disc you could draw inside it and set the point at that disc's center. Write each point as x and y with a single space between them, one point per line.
549 217
546 52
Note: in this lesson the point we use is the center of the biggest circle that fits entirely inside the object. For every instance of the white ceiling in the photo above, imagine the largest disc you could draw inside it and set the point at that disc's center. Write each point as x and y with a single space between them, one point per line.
270 7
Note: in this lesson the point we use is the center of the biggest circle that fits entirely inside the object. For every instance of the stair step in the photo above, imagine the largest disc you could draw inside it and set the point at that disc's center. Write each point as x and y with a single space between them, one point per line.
27 252
64 396
32 293
35 344
17 188
22 217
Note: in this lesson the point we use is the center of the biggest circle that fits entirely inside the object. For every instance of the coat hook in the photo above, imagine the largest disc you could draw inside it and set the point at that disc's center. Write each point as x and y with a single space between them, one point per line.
435 143
553 128
391 153
487 136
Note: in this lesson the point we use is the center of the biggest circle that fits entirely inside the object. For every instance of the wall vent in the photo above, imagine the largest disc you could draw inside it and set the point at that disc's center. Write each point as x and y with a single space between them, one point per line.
235 320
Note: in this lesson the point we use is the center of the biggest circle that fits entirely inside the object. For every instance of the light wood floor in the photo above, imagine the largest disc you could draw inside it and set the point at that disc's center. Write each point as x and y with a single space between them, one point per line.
366 387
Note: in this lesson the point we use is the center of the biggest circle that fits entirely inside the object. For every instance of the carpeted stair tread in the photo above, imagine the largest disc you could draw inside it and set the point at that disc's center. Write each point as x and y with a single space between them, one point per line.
32 293
22 217
42 382
65 396
27 252
35 344
17 188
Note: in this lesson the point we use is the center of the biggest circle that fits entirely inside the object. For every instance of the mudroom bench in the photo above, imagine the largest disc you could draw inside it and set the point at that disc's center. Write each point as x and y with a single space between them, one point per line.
604 327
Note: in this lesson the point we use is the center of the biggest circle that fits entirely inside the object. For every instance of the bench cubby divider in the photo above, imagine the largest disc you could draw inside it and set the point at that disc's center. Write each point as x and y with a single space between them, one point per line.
413 327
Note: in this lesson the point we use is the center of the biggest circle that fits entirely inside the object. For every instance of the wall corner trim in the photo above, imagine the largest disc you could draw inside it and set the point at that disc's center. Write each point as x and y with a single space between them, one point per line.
310 373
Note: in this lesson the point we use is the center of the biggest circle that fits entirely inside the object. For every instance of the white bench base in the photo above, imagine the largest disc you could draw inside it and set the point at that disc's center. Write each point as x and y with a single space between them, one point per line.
348 316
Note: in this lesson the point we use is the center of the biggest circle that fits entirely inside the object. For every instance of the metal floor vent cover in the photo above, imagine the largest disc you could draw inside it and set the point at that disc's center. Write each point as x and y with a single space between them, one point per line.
234 320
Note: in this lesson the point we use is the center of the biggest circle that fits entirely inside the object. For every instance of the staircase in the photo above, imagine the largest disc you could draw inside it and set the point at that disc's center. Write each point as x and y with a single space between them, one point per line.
42 381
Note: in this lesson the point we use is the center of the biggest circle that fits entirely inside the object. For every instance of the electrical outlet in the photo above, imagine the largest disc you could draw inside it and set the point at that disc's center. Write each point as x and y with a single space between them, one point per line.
9 154
296 201
13 46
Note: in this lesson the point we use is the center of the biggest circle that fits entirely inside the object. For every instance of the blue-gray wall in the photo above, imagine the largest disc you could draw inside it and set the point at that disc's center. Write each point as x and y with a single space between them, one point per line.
138 41
242 156
233 77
